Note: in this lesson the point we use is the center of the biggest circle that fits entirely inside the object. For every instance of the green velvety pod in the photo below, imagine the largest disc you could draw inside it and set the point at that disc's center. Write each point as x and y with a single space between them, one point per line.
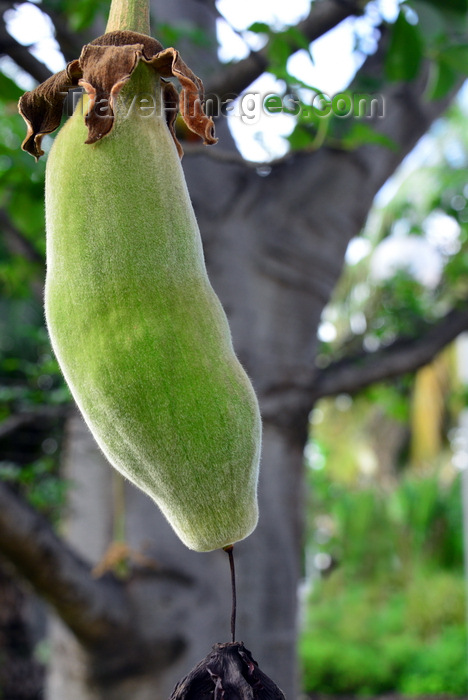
139 333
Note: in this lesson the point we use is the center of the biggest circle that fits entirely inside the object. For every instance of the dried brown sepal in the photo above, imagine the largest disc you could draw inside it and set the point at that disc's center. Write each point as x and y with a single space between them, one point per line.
229 672
105 65
106 69
191 101
150 46
42 107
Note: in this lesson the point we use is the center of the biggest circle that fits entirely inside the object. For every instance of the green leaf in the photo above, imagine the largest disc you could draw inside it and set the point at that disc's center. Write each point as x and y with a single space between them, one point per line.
172 34
361 134
296 38
431 20
300 138
259 28
278 50
458 6
281 45
9 90
83 14
442 78
456 57
405 50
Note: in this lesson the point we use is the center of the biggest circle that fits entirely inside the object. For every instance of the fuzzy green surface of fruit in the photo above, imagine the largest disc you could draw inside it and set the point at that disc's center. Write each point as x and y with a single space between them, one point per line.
139 333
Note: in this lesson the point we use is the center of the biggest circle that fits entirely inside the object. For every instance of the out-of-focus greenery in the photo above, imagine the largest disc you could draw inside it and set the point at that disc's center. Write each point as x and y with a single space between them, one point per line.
420 229
39 483
364 643
385 608
384 532
29 374
424 32
390 614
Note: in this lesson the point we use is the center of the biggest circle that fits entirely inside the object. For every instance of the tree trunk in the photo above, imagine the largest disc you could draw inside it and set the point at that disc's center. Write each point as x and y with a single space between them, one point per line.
21 622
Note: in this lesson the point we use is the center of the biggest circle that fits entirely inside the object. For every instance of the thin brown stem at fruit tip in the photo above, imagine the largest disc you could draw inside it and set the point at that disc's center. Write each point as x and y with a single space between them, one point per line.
230 552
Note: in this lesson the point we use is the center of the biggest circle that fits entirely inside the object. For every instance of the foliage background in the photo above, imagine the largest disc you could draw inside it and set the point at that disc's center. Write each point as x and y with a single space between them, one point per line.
387 610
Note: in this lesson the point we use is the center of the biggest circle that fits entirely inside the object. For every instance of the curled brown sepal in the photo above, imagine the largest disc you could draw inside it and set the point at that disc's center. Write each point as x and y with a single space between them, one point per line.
105 65
106 69
42 108
229 672
168 63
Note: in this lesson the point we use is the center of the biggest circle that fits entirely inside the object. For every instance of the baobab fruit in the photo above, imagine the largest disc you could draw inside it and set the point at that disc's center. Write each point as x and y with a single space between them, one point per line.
139 333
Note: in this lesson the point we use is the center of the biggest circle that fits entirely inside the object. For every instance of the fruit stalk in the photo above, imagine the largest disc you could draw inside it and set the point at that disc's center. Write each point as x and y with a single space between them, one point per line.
131 15
230 552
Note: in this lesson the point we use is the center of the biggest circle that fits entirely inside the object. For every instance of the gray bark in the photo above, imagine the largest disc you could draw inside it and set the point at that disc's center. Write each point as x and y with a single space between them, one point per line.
403 356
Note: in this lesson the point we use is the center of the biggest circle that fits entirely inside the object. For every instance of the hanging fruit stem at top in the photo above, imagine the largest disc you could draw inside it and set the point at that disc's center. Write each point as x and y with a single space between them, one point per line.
129 15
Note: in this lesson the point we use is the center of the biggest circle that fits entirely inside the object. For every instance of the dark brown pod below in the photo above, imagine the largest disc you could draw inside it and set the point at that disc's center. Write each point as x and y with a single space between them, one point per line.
228 673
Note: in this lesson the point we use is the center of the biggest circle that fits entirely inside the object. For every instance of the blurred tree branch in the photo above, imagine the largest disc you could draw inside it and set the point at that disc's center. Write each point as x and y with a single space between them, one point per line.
21 56
324 15
18 421
17 242
95 610
70 42
351 374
